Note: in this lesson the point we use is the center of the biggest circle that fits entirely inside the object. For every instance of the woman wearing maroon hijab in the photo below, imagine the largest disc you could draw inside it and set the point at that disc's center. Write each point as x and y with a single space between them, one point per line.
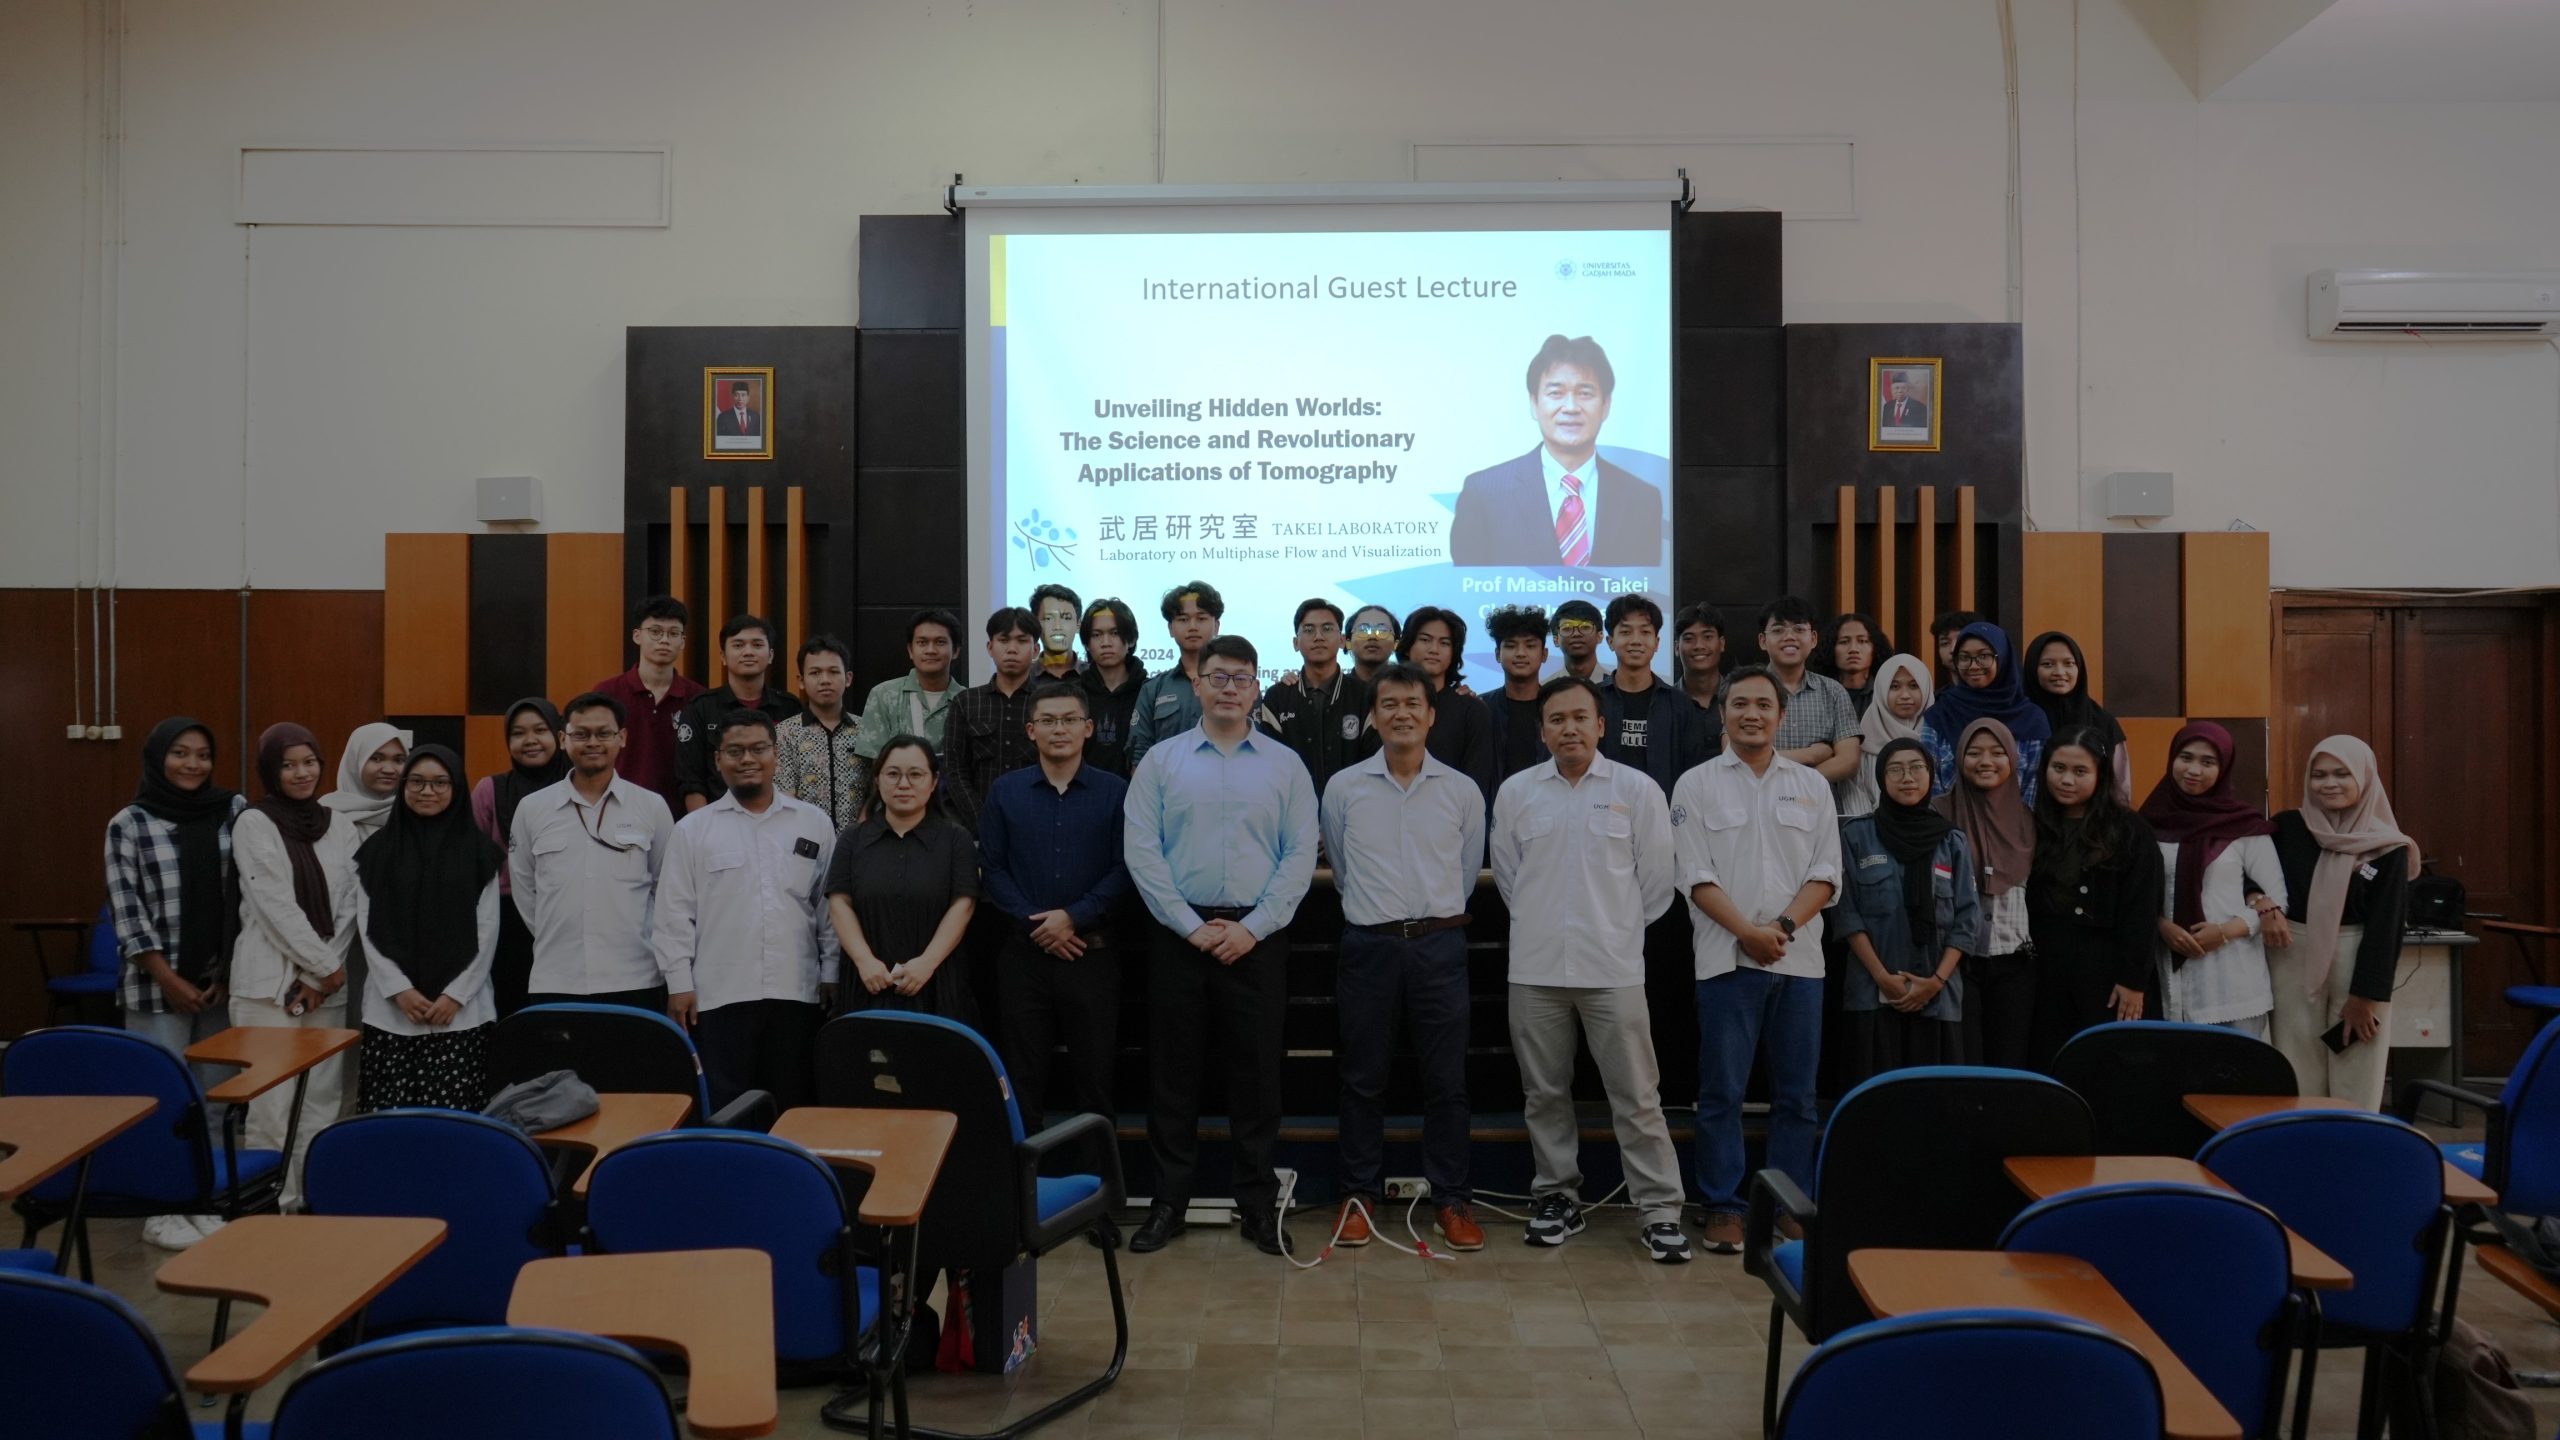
2214 846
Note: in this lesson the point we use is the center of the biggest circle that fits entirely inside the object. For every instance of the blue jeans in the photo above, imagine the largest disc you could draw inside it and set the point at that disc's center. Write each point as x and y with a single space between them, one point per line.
1739 1013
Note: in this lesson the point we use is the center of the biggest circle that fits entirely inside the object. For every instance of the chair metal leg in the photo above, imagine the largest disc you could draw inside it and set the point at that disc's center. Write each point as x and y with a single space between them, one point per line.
2302 1387
221 1331
2368 1412
1769 1378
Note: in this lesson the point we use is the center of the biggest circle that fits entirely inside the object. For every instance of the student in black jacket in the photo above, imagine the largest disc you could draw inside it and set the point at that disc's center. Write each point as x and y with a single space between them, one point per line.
1111 676
1434 642
2093 898
1645 721
1322 712
747 651
2347 868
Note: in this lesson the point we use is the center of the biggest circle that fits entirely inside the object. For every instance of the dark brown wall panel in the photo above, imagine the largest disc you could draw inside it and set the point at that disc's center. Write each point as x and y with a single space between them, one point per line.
2146 638
510 619
911 272
315 658
1732 399
1729 267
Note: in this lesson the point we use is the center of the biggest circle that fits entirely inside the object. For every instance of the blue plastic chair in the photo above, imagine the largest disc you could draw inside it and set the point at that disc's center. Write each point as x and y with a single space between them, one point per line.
2209 1271
1974 1375
991 1206
2369 1191
2519 1154
92 984
489 1185
2137 1074
80 1364
737 1189
491 1383
1910 1160
620 1049
170 1164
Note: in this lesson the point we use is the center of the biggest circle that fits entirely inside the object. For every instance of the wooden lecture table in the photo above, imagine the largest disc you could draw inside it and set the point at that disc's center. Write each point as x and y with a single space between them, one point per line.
714 1306
312 1272
620 1118
2224 1111
1911 1282
2045 1176
46 1134
272 1054
902 1151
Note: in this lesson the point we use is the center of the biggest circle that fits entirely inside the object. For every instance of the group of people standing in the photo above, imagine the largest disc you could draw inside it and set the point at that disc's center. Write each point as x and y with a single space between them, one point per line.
1950 849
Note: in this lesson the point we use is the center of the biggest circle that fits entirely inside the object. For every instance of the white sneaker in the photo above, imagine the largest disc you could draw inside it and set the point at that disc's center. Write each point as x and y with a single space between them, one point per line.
170 1232
205 1225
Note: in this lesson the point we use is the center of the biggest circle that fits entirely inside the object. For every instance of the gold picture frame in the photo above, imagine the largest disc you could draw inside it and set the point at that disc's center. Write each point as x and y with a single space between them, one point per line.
1928 373
725 435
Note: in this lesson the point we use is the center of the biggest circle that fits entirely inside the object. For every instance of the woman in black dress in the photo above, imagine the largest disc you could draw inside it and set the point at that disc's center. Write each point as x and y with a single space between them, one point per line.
2093 898
900 891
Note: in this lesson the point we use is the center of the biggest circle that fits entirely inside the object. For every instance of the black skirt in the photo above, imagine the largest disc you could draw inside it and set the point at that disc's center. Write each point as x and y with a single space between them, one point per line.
448 1069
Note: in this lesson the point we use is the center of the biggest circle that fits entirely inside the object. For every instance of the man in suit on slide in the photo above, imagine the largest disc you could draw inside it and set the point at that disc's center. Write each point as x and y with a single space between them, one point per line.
1901 409
1561 504
738 419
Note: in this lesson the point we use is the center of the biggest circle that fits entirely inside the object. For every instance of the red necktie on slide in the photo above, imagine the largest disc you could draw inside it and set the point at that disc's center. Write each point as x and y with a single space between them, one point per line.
1573 525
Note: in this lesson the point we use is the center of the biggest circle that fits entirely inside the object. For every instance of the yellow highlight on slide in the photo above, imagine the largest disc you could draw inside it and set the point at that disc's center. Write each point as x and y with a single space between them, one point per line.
995 280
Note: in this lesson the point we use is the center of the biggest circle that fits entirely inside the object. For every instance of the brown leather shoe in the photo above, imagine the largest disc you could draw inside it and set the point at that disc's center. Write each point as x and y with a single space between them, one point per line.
1723 1234
1354 1221
1789 1229
1457 1225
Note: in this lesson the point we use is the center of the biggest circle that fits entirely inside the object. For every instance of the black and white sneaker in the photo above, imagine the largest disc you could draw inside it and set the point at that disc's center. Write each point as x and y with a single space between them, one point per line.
1557 1219
1667 1243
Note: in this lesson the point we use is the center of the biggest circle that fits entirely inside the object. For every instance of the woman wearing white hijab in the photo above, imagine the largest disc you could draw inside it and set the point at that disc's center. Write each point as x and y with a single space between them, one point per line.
2347 868
369 777
1901 695
368 786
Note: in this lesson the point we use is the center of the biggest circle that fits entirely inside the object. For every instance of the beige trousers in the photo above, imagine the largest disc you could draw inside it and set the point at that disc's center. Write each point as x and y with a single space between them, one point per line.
2300 1020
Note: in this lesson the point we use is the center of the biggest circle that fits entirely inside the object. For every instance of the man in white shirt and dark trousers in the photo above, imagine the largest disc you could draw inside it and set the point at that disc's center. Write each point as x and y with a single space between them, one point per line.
741 925
1759 843
1406 833
1582 854
582 862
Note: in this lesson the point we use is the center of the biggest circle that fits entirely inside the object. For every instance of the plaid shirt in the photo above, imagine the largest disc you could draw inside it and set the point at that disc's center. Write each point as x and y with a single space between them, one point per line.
142 895
986 734
822 766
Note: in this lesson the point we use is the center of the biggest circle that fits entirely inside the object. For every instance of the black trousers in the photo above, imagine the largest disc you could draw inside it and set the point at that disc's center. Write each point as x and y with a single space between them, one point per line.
1049 1001
1426 978
2000 1010
653 998
511 969
1194 1002
758 1045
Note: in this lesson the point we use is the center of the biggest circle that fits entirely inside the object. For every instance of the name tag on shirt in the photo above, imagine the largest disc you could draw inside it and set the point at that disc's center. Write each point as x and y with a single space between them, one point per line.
630 839
805 848
1871 862
2367 871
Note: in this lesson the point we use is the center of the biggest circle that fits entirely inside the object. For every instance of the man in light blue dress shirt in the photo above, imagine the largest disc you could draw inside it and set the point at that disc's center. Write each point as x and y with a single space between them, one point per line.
1220 827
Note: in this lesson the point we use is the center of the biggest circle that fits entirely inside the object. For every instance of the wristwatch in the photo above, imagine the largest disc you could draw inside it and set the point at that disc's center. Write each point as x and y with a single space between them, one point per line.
1788 924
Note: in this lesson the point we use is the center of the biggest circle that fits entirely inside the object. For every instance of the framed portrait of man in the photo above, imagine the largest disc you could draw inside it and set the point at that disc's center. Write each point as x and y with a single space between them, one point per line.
1904 396
737 413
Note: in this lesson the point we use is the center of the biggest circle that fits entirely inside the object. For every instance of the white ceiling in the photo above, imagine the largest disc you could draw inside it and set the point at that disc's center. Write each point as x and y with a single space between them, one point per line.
2410 50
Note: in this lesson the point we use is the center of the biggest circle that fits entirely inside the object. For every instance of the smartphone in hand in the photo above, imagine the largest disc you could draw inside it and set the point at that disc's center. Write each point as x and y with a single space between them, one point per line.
2337 1038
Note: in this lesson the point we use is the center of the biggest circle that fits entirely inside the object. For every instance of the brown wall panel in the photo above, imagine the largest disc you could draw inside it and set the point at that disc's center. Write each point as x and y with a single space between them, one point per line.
2145 598
426 624
2229 644
290 631
586 628
484 745
2065 586
2146 739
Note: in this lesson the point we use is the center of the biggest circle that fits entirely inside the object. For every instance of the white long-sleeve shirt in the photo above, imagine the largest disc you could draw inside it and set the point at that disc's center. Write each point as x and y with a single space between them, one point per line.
383 978
1761 839
1584 867
583 877
277 944
741 912
2232 982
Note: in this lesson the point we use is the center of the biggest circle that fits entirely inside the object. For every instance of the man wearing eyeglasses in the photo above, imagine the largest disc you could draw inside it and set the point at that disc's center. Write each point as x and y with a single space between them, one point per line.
653 695
1220 838
1820 728
1372 639
582 864
1577 625
1050 842
739 920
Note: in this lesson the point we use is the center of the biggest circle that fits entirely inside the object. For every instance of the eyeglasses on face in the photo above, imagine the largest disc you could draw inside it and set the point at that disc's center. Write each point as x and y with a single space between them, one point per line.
1057 722
1785 632
426 785
1975 659
1567 627
587 737
1226 680
662 632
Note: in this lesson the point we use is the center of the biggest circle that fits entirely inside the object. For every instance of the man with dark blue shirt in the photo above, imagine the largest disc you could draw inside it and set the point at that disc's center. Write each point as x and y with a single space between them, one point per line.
1050 841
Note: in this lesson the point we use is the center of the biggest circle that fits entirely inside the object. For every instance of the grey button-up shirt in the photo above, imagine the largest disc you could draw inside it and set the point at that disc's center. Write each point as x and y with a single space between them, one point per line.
583 876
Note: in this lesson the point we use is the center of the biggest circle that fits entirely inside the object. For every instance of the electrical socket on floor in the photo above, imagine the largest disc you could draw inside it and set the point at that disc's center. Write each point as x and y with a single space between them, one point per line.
1408 1187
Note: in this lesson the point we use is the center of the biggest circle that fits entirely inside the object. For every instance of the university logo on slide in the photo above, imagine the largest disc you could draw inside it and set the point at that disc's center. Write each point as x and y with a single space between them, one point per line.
1045 541
1564 269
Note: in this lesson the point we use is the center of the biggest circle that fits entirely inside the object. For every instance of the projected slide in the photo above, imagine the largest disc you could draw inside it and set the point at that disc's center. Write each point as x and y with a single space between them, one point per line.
1468 419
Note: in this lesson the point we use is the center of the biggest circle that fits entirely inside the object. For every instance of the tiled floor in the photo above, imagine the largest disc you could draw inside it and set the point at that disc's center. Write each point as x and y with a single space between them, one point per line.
1226 1341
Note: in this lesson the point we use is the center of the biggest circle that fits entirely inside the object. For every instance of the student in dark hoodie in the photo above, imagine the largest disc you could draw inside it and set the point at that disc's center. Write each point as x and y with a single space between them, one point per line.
1113 674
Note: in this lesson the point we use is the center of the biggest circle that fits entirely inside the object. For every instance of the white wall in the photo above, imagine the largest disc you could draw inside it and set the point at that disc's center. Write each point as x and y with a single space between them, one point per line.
370 373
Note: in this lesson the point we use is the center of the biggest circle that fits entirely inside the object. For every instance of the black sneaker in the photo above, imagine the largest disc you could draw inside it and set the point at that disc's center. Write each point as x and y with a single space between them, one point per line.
1163 1222
1667 1243
1557 1219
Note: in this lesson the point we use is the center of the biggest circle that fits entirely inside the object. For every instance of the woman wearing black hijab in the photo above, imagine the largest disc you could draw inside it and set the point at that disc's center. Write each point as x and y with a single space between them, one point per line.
427 910
169 889
1908 913
2056 675
535 761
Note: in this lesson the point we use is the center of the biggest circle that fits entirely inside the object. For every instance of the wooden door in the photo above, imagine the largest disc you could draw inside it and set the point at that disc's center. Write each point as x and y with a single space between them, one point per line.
2333 677
2467 781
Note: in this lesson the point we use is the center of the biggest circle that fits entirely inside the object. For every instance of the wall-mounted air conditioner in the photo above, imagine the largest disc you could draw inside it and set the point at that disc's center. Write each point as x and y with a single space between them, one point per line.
2423 305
